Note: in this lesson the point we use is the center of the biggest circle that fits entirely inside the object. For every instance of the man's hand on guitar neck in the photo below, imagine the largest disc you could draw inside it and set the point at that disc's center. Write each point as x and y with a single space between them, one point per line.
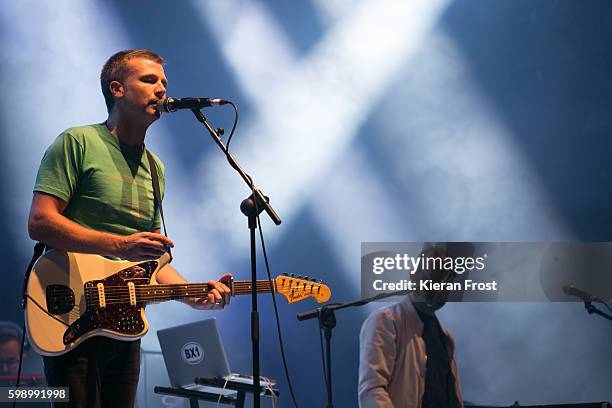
217 298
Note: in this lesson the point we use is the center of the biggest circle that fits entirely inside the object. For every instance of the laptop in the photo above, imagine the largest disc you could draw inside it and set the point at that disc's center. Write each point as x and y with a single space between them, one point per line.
196 350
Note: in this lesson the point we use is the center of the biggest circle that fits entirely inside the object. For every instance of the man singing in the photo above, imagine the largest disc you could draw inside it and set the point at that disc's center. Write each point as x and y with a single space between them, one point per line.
94 194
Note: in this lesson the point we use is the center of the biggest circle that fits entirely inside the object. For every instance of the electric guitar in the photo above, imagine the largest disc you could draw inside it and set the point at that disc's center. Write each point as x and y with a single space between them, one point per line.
72 297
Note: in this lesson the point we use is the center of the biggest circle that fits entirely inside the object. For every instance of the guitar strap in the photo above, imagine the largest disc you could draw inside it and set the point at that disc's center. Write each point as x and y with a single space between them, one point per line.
156 192
39 248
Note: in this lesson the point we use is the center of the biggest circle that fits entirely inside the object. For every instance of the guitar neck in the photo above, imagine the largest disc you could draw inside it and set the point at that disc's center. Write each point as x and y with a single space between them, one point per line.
177 291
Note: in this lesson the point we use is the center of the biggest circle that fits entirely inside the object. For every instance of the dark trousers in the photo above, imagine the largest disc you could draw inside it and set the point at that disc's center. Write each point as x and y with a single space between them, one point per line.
100 372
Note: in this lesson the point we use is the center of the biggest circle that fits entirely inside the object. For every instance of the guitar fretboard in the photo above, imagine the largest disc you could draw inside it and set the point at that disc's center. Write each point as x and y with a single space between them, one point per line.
175 291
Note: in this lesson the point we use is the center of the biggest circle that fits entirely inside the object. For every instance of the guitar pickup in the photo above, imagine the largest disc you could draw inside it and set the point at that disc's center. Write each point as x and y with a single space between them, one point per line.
132 291
101 296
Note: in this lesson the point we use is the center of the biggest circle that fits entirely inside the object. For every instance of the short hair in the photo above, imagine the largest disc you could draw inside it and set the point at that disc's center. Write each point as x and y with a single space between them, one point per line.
116 69
9 331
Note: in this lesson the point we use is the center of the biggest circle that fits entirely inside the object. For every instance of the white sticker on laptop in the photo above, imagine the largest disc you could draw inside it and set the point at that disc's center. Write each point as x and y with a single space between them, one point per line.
192 353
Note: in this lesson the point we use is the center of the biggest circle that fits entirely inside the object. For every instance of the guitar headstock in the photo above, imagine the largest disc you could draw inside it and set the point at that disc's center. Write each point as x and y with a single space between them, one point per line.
298 289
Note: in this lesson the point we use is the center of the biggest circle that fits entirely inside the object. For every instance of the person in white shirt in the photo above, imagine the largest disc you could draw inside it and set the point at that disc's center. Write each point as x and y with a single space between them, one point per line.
406 358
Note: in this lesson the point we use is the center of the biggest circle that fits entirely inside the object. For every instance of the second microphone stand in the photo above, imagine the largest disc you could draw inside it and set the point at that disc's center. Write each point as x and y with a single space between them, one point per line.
252 206
327 322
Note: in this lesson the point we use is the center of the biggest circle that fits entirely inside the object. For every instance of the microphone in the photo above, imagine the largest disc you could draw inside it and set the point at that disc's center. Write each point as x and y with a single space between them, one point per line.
571 290
172 105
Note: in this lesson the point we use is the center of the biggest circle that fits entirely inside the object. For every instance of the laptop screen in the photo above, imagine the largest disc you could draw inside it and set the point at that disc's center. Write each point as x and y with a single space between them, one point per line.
193 350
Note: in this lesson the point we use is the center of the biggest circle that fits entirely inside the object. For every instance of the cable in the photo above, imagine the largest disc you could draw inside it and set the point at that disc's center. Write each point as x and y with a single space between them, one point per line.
23 334
278 328
254 197
223 389
229 139
270 390
44 310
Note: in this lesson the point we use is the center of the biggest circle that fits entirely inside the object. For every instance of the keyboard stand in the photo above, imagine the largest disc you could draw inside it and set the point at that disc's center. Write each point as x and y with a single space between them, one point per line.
194 396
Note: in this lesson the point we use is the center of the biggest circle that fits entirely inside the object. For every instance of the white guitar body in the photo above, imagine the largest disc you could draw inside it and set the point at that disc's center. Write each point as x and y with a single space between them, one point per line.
72 297
57 277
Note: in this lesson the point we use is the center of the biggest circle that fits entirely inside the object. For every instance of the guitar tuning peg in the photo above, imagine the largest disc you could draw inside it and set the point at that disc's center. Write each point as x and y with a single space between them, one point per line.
306 277
299 276
314 279
285 273
291 275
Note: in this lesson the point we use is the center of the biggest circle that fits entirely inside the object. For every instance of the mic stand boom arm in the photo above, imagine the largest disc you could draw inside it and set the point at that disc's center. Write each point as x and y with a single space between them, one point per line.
259 196
592 309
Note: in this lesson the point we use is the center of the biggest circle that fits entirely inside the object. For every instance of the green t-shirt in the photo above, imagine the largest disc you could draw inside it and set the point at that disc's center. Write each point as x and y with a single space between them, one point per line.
106 183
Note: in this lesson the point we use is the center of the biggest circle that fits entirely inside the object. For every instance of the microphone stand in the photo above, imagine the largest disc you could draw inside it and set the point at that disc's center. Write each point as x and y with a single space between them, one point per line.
251 206
592 309
327 322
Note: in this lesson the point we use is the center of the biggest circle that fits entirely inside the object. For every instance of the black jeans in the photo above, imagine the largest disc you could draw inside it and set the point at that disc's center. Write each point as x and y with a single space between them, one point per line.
100 372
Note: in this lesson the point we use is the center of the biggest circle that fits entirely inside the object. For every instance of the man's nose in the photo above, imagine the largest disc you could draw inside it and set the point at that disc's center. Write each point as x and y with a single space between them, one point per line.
160 90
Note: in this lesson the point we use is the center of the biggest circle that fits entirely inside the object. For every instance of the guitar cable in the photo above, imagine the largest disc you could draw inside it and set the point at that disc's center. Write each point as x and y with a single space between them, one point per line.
23 334
45 310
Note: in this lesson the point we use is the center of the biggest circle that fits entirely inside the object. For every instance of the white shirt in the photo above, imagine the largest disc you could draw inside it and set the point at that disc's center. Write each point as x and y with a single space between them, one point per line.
393 358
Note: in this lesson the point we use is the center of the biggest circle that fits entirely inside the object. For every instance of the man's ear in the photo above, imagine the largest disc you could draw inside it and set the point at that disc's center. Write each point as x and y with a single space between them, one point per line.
117 89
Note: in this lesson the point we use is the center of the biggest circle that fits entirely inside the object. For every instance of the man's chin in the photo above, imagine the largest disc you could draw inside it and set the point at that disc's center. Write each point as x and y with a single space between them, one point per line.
151 109
152 114
428 305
